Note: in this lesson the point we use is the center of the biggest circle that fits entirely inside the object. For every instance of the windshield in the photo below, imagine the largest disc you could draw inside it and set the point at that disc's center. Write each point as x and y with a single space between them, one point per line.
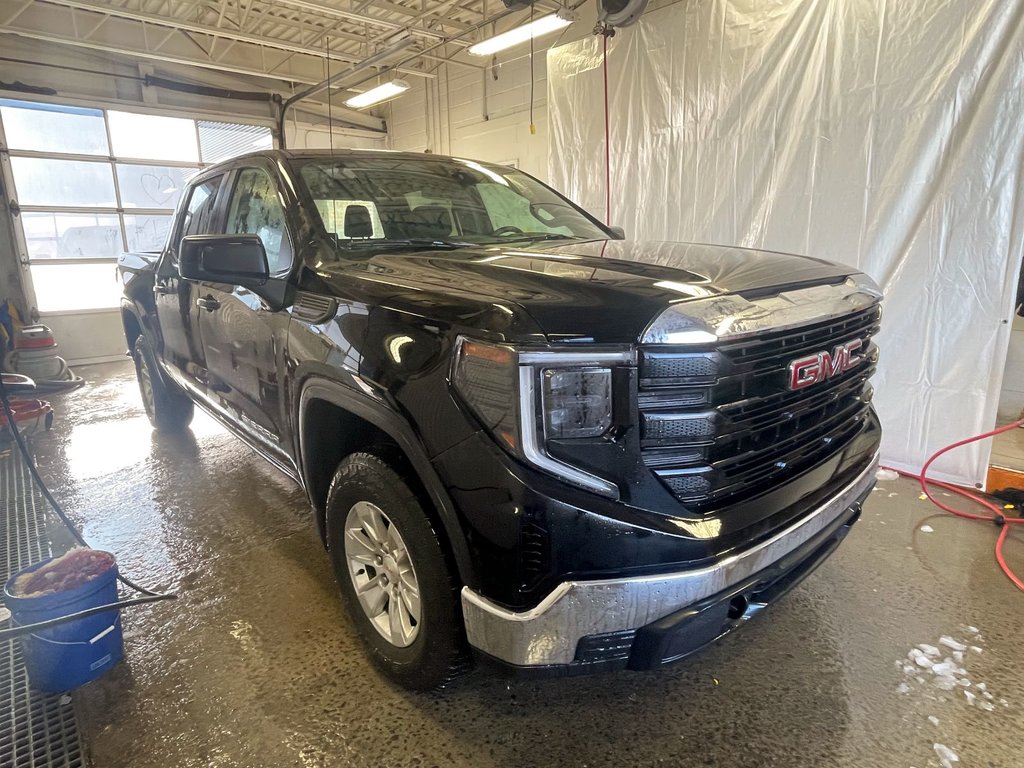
375 200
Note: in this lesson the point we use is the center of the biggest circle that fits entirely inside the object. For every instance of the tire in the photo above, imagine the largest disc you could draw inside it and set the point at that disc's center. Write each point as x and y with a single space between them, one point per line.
169 409
372 514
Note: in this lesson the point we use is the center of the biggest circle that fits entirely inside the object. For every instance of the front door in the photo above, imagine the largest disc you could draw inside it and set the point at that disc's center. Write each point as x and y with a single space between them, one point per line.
243 338
175 298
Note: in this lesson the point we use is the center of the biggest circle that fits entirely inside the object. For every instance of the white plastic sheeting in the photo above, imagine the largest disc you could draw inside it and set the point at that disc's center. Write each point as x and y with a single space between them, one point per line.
886 135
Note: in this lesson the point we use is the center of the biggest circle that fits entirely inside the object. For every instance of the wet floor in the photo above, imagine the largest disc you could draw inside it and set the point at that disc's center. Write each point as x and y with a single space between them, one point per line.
255 665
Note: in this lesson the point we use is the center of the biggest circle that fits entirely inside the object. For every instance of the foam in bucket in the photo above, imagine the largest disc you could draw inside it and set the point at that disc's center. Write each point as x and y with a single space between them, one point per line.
74 653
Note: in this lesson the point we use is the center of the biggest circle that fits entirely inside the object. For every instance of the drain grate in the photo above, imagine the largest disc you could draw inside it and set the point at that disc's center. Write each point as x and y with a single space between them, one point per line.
36 729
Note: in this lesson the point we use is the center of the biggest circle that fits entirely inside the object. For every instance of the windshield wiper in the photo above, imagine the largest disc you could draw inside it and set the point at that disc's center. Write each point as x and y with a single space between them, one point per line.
538 236
421 243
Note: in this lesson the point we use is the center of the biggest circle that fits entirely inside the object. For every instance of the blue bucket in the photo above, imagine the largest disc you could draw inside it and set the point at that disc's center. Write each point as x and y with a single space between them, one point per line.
72 654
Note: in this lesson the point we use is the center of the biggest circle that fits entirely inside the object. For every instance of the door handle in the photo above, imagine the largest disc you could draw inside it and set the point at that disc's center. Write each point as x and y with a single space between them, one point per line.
161 289
208 303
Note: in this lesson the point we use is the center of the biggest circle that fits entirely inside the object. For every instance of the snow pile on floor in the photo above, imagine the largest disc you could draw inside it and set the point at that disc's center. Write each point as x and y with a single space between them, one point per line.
940 671
946 755
942 666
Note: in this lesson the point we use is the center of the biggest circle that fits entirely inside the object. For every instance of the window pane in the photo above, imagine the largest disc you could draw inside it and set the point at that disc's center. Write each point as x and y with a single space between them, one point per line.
147 233
257 210
53 128
152 186
199 211
75 286
149 137
41 181
220 141
72 235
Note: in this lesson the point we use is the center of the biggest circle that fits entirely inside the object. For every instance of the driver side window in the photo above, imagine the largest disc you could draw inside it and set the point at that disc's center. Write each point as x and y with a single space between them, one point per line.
256 209
198 217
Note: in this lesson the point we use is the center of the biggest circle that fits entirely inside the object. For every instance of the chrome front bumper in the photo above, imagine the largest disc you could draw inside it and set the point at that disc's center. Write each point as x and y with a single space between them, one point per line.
548 634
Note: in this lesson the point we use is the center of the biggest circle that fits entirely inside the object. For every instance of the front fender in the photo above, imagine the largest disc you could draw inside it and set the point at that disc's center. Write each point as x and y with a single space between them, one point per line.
377 413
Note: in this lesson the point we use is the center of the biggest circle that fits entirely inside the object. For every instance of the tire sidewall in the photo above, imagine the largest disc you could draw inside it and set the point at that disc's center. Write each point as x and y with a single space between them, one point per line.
168 411
143 357
424 663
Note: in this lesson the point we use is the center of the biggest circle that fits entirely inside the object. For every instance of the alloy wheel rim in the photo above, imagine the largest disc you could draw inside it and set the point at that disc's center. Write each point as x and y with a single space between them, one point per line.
382 574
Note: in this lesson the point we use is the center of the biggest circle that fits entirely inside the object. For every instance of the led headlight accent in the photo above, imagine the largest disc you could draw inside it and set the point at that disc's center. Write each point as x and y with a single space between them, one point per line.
526 398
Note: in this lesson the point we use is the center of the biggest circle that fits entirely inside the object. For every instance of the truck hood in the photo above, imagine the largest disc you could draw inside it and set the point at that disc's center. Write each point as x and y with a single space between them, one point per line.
599 291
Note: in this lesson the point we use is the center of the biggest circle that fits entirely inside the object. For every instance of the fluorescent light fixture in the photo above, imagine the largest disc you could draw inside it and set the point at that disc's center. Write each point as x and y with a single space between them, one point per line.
542 26
382 92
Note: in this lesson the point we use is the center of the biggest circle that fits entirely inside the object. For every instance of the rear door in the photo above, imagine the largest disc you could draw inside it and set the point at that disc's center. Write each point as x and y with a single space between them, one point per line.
175 298
243 339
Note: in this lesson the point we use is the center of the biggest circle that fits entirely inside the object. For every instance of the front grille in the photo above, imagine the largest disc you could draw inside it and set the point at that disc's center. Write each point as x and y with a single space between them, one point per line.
720 424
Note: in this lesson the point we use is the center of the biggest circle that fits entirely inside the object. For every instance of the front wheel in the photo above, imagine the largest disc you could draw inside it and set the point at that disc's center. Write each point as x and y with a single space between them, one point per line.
390 565
169 410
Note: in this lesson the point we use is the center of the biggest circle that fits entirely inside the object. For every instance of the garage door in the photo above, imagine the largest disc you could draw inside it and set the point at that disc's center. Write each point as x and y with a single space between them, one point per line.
89 183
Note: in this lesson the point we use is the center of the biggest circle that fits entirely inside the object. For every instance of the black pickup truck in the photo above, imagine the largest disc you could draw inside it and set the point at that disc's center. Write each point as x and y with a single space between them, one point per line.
524 437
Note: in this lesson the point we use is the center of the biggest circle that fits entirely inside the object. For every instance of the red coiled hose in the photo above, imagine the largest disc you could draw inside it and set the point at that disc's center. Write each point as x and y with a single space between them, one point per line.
997 517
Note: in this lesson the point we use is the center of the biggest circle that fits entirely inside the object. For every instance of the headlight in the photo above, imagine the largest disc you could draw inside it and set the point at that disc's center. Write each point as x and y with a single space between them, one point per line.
577 402
526 397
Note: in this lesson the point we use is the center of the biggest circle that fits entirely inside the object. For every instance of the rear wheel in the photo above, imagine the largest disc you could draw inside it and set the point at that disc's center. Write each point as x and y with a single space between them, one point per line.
393 575
168 408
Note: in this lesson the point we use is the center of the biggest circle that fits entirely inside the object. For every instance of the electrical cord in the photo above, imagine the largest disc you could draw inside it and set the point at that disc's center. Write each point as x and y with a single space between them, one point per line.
533 128
998 516
149 596
607 137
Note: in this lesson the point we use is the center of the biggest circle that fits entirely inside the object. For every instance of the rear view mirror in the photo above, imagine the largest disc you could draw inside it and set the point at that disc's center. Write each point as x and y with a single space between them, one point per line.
619 232
232 259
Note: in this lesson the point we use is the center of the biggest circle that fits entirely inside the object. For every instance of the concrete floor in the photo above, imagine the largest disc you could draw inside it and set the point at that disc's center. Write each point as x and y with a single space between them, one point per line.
255 664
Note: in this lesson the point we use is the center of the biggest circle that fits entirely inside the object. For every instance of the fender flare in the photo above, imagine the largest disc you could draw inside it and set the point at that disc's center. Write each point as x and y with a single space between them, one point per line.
399 430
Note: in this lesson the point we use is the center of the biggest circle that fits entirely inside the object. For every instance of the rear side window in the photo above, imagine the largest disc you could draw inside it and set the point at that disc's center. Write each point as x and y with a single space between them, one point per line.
256 209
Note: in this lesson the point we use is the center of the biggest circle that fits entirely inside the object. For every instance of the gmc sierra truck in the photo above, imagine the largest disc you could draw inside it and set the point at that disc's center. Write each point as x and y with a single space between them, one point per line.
524 438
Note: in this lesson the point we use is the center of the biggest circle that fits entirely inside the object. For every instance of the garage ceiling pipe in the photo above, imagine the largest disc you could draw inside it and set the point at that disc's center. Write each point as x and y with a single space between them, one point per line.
326 84
384 70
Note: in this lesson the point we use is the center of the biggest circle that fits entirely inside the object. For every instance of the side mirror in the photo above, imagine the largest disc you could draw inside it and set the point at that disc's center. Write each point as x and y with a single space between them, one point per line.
232 259
619 232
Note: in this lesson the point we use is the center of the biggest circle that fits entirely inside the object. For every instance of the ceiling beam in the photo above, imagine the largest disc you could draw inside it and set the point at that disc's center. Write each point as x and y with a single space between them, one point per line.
67 25
433 15
125 50
16 12
327 10
203 29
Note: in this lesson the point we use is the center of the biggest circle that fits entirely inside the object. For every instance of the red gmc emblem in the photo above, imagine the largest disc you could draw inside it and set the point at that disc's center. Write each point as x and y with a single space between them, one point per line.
815 369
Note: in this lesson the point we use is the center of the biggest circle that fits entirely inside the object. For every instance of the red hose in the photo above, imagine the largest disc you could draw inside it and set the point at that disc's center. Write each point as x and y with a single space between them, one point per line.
997 517
1002 561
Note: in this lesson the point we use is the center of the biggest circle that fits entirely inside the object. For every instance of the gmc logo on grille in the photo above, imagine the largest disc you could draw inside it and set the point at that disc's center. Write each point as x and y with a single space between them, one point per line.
815 369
